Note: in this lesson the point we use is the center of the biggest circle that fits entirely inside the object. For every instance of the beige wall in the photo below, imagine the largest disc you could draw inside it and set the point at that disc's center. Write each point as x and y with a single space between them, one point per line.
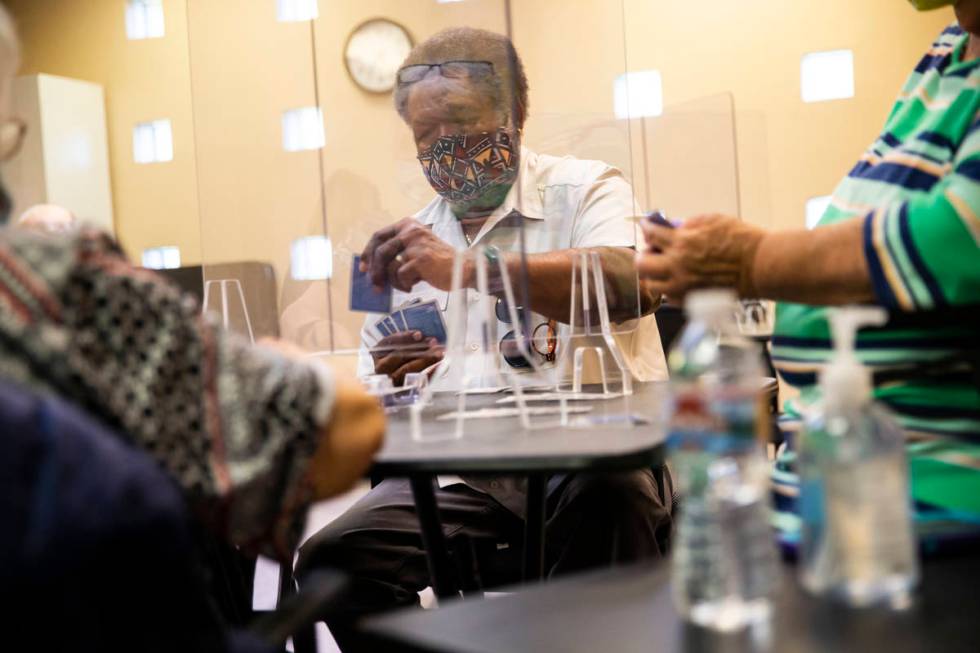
243 69
573 49
809 146
255 198
788 151
143 80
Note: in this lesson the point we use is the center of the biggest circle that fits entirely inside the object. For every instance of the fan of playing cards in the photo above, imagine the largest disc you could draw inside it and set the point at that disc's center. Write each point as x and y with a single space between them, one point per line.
415 315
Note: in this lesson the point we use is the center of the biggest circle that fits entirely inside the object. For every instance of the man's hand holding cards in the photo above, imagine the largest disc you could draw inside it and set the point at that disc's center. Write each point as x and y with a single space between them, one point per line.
406 352
414 339
424 317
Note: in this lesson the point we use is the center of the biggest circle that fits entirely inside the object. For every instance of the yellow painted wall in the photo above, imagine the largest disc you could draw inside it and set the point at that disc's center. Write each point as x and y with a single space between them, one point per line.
789 151
227 79
144 80
255 198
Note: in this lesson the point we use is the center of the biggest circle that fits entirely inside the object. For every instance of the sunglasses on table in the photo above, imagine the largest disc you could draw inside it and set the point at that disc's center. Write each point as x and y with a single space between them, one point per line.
448 69
544 339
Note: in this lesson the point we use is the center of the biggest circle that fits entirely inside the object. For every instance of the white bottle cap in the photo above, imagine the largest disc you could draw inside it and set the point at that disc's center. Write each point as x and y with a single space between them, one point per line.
845 381
710 303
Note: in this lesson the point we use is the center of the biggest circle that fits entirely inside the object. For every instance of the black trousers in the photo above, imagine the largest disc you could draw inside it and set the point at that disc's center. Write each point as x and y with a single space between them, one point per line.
592 520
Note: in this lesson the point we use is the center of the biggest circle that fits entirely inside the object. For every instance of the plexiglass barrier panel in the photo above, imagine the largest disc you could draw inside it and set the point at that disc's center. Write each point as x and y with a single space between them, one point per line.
690 154
682 161
257 157
332 213
301 160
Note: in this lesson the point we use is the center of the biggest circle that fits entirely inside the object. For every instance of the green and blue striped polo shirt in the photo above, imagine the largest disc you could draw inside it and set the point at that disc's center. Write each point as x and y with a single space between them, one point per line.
917 189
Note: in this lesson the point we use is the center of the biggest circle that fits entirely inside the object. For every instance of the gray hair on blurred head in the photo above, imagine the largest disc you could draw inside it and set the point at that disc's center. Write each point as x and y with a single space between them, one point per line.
507 89
47 219
9 45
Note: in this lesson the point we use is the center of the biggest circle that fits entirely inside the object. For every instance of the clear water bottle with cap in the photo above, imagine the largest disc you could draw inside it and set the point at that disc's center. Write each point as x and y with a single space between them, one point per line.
857 539
724 558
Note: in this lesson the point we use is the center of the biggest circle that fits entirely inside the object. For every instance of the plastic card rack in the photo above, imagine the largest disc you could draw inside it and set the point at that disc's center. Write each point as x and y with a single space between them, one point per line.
586 272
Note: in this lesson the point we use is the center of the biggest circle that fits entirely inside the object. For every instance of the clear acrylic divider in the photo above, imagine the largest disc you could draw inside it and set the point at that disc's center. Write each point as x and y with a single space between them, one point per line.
690 156
225 304
587 276
491 375
289 196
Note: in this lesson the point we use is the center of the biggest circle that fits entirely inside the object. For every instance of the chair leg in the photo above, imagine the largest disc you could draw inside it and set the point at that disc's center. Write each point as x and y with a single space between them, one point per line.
441 570
463 551
287 584
304 640
534 528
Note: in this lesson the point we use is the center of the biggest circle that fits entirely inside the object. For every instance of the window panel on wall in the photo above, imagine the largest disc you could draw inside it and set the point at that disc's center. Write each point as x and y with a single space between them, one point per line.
302 129
290 11
311 259
161 258
153 142
827 76
638 94
144 19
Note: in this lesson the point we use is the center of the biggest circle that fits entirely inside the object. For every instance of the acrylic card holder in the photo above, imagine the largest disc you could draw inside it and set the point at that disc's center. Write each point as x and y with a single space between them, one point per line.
223 285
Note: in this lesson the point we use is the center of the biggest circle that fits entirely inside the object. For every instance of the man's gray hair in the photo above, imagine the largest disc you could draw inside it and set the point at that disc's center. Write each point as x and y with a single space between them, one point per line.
9 45
507 87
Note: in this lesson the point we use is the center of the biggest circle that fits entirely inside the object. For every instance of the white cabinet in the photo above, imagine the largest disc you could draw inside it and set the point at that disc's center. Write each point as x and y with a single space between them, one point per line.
65 157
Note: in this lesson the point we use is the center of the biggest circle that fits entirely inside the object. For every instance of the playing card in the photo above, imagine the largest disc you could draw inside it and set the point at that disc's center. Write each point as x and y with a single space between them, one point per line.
427 319
399 319
383 328
364 297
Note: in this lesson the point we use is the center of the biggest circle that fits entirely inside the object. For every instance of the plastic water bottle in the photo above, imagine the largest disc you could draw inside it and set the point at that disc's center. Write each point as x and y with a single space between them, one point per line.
857 542
724 558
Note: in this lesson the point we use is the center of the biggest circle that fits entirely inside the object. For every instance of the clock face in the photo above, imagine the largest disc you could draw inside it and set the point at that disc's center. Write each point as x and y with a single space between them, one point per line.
374 53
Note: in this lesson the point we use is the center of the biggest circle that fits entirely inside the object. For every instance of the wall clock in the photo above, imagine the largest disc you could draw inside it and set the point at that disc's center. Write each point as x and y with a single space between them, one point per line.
374 52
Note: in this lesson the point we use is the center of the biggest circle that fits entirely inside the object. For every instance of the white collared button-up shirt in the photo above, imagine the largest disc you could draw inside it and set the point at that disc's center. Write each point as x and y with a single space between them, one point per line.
567 203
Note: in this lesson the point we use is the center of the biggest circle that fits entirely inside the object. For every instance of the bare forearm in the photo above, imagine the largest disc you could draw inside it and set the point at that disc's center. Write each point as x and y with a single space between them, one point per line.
823 266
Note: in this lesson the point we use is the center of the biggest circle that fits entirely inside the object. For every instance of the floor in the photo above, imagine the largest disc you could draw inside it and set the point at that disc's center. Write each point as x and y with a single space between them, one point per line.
267 572
266 590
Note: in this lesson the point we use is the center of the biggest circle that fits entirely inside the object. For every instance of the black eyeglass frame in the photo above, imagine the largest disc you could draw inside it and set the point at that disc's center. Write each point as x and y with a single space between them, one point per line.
424 69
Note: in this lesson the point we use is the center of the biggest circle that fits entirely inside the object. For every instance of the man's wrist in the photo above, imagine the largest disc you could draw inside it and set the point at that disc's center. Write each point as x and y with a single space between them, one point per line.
494 258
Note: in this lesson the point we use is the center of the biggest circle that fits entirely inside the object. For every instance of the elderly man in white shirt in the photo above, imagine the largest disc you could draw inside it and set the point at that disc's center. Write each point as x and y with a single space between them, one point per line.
566 206
470 149
464 94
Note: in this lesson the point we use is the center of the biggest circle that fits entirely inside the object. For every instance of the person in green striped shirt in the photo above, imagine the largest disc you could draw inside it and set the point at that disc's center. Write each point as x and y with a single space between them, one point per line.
902 231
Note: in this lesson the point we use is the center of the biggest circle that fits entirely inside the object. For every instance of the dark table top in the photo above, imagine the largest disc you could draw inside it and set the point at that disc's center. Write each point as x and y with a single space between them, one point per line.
630 609
500 445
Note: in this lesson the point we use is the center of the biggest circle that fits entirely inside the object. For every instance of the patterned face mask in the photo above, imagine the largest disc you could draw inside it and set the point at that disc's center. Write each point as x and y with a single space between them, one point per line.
467 168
